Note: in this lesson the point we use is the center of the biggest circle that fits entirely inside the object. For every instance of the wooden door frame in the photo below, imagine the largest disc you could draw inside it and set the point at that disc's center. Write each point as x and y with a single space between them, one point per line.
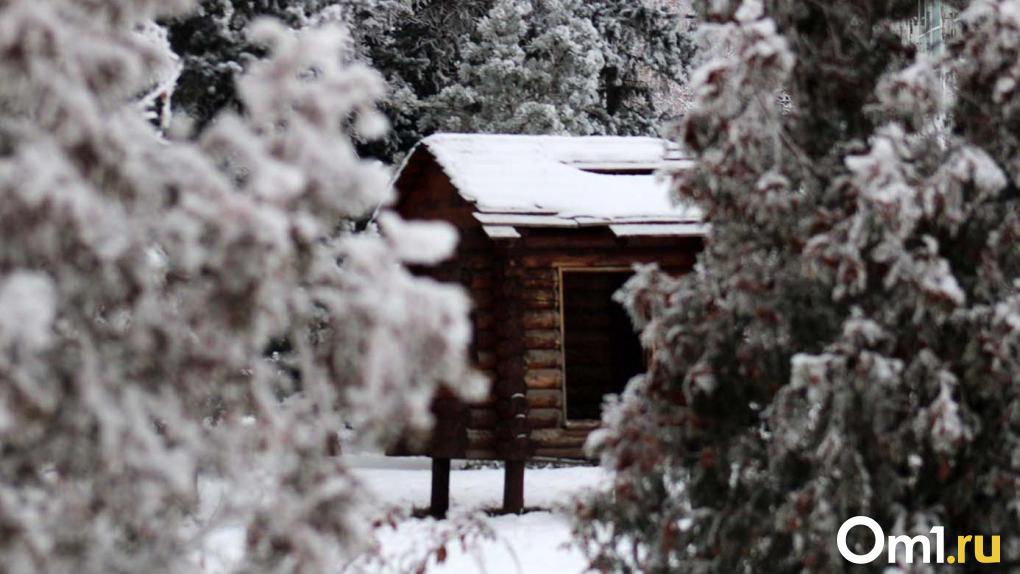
561 269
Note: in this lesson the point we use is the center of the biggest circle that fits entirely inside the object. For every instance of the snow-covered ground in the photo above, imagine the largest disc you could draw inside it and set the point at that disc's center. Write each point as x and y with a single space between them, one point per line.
535 542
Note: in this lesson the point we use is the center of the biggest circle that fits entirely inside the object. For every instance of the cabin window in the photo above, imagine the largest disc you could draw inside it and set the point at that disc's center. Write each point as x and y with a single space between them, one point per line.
601 350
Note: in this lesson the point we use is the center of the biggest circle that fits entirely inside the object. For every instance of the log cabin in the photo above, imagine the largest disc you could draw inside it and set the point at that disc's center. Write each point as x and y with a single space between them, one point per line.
550 227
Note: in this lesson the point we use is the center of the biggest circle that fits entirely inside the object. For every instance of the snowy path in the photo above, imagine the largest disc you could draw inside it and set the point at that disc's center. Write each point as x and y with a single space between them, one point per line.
536 542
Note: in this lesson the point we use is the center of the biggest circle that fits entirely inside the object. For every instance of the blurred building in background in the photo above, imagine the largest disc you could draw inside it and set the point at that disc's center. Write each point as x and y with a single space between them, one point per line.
934 24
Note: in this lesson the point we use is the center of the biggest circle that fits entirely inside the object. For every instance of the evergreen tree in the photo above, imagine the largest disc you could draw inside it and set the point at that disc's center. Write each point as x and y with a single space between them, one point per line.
417 45
849 343
648 57
214 47
528 68
521 66
558 66
143 278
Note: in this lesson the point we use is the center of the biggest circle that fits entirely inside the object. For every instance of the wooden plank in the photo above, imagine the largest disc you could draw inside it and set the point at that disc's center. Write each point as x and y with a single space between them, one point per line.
545 418
541 320
545 399
538 259
539 340
539 279
542 359
501 232
565 241
543 304
544 379
538 295
596 258
558 438
581 427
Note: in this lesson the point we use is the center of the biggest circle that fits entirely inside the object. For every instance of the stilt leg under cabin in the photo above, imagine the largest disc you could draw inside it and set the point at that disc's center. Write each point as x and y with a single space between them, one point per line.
440 502
513 487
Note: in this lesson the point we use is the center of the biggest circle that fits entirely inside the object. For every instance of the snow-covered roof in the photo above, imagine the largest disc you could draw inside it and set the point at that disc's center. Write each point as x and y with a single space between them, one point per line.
560 181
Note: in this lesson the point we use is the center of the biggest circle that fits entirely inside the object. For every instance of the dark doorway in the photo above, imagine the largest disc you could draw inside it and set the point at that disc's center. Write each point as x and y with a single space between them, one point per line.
601 349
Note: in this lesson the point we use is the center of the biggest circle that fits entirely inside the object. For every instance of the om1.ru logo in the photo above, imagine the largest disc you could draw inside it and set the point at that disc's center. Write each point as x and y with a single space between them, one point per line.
910 545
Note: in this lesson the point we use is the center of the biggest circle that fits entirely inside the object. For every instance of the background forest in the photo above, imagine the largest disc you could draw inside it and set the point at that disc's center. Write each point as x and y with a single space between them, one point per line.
491 66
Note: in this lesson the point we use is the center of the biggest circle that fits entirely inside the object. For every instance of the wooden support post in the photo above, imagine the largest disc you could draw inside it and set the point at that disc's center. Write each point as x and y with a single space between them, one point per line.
440 487
513 487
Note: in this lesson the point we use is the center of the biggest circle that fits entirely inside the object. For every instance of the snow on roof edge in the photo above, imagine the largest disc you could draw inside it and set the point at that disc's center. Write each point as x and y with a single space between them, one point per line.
660 230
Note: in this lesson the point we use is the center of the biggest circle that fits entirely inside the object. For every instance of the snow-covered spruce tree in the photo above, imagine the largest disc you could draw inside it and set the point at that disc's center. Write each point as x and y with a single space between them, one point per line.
142 280
417 45
519 77
849 343
523 66
214 46
563 66
650 50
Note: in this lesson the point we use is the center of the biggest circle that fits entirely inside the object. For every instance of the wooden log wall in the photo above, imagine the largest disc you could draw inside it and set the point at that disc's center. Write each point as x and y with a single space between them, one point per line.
519 345
537 260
